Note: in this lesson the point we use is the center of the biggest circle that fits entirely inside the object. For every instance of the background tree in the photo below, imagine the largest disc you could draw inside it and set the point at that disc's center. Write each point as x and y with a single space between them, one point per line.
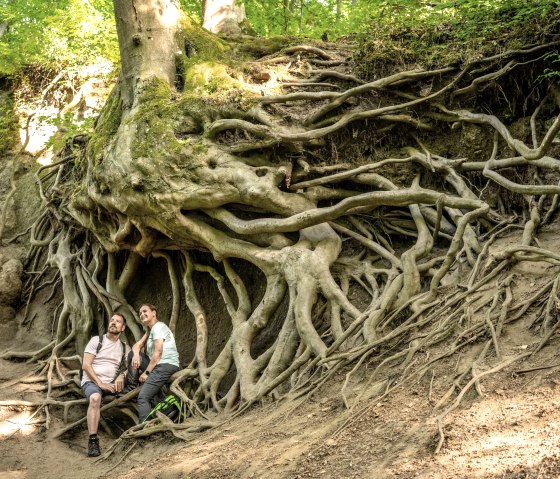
224 16
63 32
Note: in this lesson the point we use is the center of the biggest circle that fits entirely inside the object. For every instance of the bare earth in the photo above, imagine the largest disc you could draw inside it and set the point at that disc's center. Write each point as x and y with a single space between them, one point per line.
512 432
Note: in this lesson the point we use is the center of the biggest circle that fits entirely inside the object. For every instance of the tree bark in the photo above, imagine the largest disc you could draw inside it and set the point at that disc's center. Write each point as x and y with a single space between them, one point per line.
147 41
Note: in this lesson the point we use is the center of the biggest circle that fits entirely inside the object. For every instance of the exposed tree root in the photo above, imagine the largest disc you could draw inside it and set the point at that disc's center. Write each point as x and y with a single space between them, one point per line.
362 264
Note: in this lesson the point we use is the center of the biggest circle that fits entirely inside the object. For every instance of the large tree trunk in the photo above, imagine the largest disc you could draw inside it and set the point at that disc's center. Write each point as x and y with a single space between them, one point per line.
147 41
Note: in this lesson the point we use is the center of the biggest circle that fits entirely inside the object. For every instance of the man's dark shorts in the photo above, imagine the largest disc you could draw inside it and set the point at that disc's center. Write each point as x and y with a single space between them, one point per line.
90 388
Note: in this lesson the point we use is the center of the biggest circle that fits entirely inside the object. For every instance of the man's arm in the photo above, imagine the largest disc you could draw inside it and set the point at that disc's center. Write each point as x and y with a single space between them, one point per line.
120 380
154 360
87 366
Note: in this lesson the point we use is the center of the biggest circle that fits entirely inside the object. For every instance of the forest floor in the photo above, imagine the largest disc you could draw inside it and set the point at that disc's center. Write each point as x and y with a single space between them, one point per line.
511 431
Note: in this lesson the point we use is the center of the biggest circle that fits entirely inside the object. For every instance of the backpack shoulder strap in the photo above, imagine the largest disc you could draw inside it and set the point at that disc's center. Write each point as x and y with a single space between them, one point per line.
122 365
100 344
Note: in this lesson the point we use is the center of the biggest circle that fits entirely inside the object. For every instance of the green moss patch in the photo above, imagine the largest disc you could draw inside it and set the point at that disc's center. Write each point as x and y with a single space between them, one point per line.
155 118
107 125
8 124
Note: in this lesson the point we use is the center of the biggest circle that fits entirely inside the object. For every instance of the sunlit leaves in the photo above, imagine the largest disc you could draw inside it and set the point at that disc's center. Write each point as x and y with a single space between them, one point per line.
63 31
309 17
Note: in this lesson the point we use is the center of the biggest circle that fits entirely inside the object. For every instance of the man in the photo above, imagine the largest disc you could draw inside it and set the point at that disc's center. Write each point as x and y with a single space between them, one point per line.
155 369
103 358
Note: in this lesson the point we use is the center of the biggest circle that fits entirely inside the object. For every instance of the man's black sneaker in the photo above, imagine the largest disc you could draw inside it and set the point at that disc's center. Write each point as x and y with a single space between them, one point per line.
93 447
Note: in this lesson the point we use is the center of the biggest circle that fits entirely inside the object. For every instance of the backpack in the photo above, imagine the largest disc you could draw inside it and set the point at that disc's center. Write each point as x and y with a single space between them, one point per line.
121 364
170 406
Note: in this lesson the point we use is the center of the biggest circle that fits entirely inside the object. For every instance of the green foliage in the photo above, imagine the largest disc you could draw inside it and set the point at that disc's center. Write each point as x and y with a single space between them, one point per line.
70 32
67 127
553 71
470 20
81 31
193 8
312 18
8 124
435 33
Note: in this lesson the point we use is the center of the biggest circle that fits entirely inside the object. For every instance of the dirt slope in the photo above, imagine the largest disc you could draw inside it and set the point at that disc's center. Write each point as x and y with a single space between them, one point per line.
511 433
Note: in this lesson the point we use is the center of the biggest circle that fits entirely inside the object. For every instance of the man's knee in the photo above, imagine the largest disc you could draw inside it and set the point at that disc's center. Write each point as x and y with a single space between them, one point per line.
95 400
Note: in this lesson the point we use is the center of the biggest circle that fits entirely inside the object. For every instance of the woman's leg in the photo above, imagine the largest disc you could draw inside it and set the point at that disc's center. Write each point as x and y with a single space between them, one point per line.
156 380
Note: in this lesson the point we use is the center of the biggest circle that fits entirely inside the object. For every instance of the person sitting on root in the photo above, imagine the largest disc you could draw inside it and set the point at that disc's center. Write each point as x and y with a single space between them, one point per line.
102 364
154 369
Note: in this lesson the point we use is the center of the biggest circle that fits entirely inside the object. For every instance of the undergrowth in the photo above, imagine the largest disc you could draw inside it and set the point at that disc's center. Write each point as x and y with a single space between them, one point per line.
426 34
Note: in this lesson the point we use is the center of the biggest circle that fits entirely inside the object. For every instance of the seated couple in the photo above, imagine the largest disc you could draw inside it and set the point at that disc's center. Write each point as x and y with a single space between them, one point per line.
103 366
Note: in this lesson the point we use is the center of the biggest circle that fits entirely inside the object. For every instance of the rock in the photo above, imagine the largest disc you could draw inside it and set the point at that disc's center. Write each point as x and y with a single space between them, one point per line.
10 281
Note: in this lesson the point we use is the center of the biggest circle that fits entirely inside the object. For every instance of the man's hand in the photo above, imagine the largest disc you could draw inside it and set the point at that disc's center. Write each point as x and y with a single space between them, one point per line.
143 378
107 387
119 383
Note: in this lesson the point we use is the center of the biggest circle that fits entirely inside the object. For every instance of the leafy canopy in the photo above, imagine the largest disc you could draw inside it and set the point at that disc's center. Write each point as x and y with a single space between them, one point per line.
68 32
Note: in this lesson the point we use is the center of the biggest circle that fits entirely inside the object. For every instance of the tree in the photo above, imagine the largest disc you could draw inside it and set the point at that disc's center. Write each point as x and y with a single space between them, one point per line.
209 167
224 16
52 33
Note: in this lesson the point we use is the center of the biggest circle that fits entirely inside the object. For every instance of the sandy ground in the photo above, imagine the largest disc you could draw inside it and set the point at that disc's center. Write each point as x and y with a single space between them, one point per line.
513 431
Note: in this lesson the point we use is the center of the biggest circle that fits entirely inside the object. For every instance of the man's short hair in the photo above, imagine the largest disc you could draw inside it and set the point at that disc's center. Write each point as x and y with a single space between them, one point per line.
121 315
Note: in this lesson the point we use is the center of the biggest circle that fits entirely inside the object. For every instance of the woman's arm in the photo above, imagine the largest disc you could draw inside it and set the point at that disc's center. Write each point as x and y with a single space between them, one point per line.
136 350
140 344
154 360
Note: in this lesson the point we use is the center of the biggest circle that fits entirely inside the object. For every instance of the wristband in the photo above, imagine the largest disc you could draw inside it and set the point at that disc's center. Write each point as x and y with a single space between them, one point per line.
147 372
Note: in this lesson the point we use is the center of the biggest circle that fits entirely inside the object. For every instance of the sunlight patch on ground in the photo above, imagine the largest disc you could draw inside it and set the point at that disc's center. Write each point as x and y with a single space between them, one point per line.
498 438
12 422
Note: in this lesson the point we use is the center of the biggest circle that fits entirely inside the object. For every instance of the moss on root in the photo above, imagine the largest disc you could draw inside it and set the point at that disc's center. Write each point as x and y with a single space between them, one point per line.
197 43
155 117
8 124
107 125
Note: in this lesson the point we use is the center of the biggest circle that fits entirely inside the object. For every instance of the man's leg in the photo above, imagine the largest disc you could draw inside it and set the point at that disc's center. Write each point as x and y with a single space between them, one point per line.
93 413
157 378
94 395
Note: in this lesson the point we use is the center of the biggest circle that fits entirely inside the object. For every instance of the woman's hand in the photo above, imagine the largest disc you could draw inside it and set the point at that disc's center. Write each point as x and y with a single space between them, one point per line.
136 360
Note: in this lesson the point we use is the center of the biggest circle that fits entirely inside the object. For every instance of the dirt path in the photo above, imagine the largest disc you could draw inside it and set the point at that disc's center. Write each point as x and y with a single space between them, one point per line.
512 432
